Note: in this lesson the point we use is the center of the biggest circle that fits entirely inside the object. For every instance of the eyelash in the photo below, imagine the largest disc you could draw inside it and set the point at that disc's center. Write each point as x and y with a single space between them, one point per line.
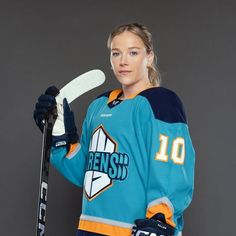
114 54
132 53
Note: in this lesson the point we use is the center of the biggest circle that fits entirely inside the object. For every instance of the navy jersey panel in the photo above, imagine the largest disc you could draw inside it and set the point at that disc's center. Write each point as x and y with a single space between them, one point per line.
165 104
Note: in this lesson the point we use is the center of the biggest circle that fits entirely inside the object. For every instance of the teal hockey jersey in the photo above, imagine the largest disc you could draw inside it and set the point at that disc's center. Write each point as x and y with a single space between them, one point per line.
135 159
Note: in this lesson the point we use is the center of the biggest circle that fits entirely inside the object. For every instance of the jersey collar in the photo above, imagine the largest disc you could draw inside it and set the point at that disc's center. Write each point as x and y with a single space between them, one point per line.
115 94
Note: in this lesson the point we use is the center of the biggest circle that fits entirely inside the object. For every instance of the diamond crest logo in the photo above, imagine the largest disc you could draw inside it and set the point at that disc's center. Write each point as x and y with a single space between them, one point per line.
105 164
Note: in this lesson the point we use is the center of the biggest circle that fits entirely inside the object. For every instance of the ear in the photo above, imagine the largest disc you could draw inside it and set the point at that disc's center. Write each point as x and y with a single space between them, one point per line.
150 57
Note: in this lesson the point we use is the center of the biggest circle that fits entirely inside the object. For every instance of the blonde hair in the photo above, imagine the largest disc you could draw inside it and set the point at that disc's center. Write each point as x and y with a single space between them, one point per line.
142 32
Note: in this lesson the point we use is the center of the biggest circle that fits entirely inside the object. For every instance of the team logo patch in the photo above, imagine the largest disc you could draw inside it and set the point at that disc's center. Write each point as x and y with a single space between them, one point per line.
105 164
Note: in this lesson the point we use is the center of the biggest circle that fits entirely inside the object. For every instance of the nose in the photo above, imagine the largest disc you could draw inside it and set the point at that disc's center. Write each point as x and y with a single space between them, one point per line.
123 60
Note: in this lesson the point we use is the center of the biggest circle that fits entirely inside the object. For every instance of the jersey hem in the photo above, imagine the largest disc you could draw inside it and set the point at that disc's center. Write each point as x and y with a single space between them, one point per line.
104 226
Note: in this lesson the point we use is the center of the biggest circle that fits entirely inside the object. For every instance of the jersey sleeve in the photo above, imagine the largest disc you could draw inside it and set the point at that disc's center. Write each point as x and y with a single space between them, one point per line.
72 164
170 155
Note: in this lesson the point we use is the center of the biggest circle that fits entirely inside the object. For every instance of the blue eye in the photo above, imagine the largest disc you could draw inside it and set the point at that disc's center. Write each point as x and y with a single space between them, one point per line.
115 54
133 53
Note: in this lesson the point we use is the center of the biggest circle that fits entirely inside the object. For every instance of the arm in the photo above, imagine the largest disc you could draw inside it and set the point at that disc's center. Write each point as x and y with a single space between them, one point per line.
171 172
71 164
67 155
171 159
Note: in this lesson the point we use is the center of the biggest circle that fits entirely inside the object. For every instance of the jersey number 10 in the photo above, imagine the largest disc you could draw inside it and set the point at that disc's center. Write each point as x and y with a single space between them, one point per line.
177 152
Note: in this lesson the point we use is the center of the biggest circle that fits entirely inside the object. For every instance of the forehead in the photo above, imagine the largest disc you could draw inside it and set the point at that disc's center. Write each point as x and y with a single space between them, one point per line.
126 40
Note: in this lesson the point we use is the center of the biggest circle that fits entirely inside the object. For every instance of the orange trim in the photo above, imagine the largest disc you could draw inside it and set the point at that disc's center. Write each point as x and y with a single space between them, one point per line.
73 146
162 208
114 94
102 228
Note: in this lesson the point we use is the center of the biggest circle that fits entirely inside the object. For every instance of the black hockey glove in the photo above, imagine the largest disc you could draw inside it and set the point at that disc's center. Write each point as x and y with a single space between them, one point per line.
45 107
64 130
155 226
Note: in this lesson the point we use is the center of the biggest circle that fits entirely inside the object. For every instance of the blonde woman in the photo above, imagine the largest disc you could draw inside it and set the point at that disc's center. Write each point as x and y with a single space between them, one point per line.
135 159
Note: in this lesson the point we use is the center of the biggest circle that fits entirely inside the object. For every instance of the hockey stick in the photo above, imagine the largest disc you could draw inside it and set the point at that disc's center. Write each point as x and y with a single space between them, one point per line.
71 91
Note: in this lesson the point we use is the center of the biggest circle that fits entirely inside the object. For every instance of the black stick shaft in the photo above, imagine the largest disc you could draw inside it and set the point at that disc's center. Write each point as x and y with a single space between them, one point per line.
43 187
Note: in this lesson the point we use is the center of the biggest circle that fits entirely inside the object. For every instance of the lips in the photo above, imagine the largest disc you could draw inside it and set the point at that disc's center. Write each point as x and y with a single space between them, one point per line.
124 72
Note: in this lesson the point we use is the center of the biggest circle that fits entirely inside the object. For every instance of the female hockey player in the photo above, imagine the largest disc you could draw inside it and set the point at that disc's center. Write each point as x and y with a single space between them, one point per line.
135 159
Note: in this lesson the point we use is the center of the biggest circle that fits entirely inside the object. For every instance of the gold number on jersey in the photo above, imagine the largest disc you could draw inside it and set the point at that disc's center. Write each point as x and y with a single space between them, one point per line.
177 150
162 154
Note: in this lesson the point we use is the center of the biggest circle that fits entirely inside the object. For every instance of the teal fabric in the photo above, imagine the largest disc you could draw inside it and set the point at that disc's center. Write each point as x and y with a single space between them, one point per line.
136 177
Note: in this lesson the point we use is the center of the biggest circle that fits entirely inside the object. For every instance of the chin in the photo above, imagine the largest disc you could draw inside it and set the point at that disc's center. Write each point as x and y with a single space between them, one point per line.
125 80
126 83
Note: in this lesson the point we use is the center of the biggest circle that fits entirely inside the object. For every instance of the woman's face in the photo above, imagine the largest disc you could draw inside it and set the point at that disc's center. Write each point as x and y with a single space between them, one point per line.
129 59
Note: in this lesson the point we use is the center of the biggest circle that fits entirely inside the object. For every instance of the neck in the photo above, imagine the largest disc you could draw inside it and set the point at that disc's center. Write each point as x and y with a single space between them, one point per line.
132 90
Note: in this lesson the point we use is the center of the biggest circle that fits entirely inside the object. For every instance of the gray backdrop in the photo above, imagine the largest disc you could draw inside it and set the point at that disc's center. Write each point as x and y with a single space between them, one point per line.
50 42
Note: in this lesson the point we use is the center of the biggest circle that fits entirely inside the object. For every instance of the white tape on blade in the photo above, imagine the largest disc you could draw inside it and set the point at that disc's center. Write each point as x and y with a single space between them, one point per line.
81 85
73 90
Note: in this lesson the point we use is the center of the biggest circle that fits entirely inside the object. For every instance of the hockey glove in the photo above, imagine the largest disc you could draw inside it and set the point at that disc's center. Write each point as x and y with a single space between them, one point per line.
45 107
64 130
155 226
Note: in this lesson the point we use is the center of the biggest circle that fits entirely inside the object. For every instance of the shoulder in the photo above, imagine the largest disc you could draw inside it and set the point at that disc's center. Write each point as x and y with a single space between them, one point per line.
165 104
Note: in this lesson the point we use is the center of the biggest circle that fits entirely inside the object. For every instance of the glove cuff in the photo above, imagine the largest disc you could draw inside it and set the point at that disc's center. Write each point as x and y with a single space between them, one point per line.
65 140
152 227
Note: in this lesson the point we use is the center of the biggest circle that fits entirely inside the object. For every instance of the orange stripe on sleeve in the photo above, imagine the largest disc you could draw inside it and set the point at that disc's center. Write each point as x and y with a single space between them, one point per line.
102 228
73 146
162 208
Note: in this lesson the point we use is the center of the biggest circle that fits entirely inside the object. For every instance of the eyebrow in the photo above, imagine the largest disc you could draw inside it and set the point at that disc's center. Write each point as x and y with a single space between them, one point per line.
128 48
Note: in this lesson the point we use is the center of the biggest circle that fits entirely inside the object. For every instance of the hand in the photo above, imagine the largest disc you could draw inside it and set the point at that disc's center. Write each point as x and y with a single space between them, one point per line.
152 227
45 106
64 130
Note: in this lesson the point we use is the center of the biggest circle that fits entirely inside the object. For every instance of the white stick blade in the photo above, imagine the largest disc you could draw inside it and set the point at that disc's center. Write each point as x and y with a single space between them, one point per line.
82 84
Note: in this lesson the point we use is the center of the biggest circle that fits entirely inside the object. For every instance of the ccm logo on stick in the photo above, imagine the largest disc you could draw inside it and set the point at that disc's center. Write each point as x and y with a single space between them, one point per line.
42 207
